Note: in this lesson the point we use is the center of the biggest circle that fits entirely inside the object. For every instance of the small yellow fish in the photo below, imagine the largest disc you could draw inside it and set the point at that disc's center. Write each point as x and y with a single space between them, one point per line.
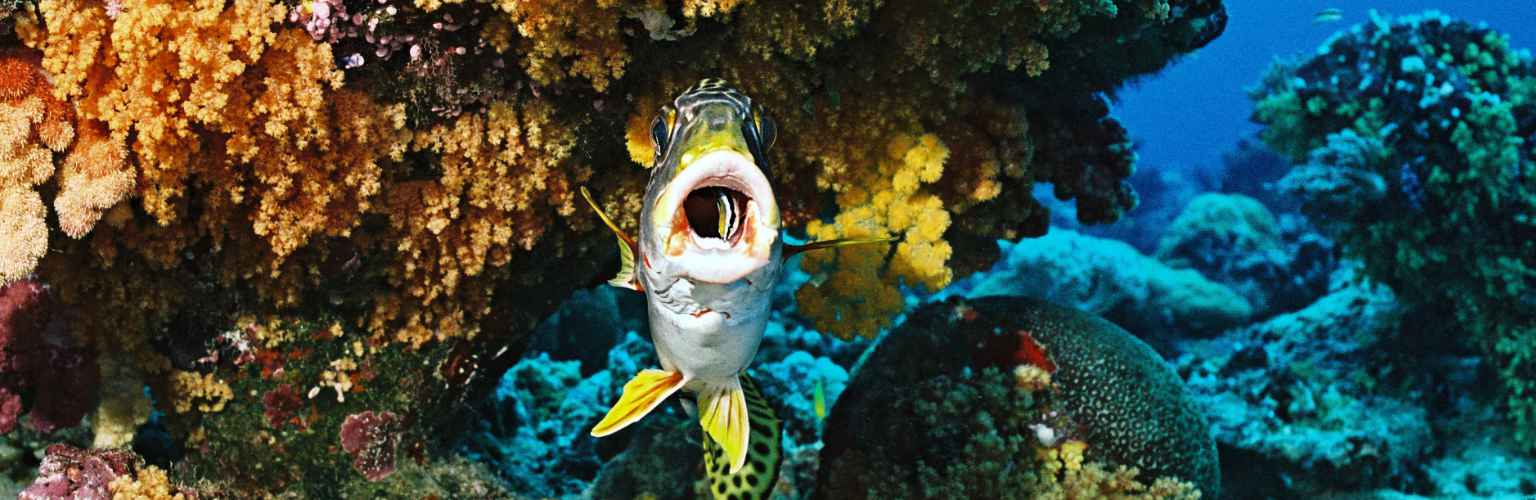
1328 15
819 394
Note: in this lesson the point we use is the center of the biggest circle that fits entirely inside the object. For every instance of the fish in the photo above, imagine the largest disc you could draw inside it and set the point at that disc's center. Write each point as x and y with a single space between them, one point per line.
819 397
1328 15
707 257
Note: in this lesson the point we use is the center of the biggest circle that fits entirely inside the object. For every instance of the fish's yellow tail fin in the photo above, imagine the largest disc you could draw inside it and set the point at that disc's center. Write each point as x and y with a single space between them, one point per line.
723 413
641 395
760 471
627 248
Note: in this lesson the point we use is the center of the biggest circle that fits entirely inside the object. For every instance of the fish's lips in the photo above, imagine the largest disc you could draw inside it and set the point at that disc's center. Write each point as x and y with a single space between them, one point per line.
725 258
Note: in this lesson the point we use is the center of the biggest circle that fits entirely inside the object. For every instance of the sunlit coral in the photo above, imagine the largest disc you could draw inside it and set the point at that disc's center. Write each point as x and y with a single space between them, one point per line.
888 202
94 177
33 125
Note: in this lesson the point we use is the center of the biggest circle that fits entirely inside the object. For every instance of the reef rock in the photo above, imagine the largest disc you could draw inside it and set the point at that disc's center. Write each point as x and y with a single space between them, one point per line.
1234 240
535 431
1304 402
936 410
1415 133
1110 278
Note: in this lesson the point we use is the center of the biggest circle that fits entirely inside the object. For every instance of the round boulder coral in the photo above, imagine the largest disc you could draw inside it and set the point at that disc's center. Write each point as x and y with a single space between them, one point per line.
936 409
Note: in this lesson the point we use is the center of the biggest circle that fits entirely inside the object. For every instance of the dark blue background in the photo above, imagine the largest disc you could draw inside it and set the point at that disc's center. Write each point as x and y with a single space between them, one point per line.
1199 108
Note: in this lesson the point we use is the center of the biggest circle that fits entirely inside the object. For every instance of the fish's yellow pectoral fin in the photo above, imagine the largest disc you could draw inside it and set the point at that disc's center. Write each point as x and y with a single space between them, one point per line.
723 413
627 249
641 395
792 250
755 479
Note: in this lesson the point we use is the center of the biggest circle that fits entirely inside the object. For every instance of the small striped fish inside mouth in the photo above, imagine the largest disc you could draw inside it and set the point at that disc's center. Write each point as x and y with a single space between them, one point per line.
716 212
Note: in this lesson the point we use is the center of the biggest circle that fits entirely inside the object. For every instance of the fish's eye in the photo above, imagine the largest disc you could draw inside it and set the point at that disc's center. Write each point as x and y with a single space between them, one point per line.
767 131
659 131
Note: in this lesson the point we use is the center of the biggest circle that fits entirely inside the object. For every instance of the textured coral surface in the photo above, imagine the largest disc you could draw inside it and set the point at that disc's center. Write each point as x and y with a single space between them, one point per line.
1415 133
941 376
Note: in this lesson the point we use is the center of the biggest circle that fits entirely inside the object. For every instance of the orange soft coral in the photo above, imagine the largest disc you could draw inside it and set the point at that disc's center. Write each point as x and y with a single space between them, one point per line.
212 95
503 174
33 125
94 177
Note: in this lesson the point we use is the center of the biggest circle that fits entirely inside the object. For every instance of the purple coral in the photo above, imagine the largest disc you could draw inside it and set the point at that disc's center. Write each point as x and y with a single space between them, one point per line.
371 439
280 404
72 473
42 370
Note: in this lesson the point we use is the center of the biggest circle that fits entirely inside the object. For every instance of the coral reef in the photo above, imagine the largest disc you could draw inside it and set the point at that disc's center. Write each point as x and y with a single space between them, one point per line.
1304 402
322 227
372 439
537 435
947 376
1235 241
1110 278
69 472
536 429
44 372
1416 131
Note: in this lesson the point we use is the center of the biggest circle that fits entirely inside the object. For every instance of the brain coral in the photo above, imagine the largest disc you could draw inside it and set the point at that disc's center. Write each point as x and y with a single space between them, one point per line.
1419 130
931 408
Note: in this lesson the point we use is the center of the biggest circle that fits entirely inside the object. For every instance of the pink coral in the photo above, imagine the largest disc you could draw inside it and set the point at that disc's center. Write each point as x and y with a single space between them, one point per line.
69 472
38 358
280 404
371 439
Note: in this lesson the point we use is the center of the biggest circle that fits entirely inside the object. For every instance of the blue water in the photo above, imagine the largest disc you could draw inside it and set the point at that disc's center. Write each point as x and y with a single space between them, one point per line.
1204 94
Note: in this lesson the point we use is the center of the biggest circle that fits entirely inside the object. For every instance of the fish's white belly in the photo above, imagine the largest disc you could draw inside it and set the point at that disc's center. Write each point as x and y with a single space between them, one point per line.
707 348
710 332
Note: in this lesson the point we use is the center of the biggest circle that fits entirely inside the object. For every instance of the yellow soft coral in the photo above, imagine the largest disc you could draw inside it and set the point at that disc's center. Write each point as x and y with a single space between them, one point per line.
564 38
148 483
200 390
856 291
503 175
123 406
1067 476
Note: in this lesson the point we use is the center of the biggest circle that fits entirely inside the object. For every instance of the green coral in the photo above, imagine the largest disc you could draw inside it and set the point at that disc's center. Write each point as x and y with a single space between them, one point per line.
1452 191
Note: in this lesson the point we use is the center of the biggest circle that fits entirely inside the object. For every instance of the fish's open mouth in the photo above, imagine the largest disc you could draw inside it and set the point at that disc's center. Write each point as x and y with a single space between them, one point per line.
716 213
724 217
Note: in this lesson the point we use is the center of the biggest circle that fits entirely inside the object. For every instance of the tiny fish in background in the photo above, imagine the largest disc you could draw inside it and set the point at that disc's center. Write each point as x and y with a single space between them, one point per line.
819 394
707 259
1328 15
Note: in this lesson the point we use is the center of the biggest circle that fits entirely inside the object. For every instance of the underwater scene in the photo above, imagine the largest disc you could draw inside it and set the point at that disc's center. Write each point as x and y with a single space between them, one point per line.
767 249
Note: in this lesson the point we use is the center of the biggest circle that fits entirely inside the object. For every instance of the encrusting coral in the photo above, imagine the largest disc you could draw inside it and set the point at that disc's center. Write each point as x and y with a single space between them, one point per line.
937 409
1417 131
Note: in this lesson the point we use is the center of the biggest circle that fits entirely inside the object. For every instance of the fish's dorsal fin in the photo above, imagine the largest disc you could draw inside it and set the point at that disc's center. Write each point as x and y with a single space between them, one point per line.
626 277
760 470
641 395
793 250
